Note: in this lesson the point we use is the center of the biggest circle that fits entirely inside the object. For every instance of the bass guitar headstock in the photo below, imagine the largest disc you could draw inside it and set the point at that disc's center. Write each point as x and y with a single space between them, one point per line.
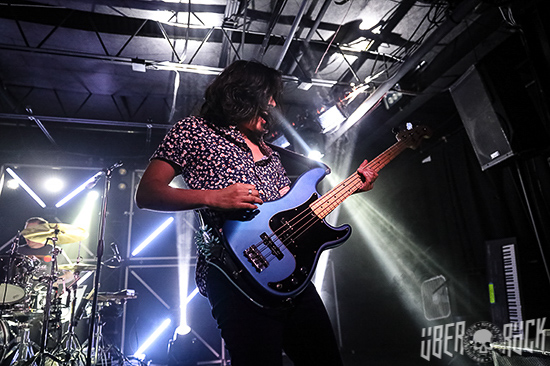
413 137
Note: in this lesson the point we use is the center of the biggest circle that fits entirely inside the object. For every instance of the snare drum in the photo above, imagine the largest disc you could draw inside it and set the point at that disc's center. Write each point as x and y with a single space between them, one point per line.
15 275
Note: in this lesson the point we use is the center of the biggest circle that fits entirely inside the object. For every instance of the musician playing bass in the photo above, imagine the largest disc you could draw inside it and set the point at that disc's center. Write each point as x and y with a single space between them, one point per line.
227 166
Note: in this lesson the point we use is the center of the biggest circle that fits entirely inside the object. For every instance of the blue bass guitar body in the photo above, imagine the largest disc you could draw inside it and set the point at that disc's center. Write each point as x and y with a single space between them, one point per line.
277 246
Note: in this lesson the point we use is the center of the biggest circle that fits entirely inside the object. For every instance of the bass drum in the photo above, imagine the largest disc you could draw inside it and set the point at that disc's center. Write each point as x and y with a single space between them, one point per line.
15 275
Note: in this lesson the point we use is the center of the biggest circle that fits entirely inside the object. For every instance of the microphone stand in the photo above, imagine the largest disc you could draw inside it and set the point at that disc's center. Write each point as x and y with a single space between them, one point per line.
100 247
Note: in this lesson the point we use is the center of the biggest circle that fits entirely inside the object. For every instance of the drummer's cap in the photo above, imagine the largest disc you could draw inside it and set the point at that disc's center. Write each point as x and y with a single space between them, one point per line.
35 220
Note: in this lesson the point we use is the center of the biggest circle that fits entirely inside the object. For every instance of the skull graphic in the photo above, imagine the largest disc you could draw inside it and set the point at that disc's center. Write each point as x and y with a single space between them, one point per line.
482 341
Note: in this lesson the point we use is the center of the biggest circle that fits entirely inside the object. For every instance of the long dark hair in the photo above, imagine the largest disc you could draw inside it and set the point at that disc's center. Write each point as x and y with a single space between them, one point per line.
241 93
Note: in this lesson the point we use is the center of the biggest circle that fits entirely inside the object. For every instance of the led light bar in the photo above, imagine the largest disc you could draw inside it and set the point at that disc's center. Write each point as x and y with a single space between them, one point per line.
26 187
151 237
80 188
141 350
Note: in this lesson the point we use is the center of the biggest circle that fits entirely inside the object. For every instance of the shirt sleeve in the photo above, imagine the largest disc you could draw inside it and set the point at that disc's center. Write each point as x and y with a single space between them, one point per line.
180 144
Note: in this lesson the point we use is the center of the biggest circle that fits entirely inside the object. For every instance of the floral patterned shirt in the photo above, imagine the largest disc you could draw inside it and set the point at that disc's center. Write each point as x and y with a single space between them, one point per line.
214 157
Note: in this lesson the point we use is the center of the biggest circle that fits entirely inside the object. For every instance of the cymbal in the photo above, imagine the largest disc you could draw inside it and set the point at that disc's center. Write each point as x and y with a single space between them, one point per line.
77 267
66 234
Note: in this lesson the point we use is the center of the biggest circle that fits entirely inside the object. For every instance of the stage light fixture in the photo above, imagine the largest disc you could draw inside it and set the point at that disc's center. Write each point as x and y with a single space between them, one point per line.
153 337
53 185
391 98
151 237
87 184
331 119
26 187
12 184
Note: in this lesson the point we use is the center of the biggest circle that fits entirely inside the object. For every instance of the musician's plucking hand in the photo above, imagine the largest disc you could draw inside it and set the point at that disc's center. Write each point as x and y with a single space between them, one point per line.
368 176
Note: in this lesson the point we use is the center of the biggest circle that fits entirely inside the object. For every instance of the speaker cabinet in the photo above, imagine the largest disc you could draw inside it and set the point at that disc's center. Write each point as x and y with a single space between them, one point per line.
477 111
502 105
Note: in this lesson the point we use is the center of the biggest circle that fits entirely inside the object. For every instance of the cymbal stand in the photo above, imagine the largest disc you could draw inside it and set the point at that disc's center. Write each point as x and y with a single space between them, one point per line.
42 354
100 247
69 346
24 348
105 353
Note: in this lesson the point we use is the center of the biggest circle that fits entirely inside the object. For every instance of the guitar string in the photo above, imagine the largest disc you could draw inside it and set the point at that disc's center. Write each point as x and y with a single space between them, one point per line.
303 215
377 164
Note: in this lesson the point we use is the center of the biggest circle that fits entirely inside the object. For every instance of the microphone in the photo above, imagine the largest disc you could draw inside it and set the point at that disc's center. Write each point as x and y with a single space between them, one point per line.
114 248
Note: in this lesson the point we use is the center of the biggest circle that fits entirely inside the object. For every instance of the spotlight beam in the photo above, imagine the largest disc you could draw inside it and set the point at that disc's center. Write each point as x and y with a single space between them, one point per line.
26 187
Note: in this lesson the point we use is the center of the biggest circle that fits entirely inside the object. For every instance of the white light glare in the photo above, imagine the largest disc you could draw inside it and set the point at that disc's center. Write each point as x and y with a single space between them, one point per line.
12 184
80 188
26 187
53 185
182 330
152 236
315 155
141 350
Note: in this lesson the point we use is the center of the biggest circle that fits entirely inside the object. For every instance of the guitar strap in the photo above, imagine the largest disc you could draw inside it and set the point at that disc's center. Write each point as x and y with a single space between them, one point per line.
296 164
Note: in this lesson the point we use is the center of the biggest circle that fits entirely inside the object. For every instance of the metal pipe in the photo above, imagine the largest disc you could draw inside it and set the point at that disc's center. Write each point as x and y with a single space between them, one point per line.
452 21
293 30
310 34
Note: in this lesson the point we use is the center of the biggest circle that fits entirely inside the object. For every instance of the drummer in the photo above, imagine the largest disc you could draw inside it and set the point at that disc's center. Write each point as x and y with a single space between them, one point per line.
43 252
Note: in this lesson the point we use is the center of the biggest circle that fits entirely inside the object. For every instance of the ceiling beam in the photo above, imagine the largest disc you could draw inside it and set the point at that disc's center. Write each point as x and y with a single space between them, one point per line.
464 9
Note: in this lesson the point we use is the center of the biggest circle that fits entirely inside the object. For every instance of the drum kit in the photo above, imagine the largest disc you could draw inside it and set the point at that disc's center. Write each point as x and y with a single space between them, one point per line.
38 312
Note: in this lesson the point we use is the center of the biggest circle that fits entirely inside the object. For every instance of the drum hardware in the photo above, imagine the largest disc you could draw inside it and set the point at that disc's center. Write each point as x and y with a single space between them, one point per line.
5 338
23 349
14 272
119 296
35 235
104 352
62 233
68 347
77 267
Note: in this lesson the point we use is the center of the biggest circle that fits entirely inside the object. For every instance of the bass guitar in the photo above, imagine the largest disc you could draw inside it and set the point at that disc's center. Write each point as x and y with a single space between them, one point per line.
276 247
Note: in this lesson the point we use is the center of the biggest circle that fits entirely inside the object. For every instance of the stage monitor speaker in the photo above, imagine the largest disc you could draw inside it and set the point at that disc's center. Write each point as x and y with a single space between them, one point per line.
435 298
477 111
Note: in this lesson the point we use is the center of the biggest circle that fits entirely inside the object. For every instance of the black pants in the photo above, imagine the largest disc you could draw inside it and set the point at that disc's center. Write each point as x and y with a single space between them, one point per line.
256 336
